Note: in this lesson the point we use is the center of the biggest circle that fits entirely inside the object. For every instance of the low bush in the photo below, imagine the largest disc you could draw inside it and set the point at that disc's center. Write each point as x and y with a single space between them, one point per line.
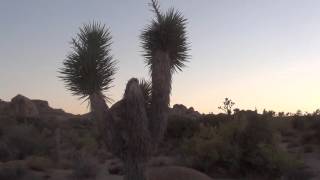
240 147
308 149
181 127
298 123
298 174
23 141
12 173
16 173
213 120
85 167
5 151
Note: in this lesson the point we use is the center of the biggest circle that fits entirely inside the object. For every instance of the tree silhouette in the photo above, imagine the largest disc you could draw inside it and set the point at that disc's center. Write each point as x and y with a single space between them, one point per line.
133 127
165 49
227 106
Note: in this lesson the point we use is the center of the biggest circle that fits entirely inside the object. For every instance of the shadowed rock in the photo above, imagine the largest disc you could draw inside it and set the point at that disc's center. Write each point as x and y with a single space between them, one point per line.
23 107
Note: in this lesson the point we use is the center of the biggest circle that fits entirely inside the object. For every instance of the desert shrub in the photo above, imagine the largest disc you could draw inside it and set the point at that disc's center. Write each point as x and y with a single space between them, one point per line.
213 120
257 131
288 133
269 161
181 127
298 123
293 145
88 144
298 174
12 173
308 149
23 140
5 151
240 147
212 147
1 133
308 137
16 173
85 167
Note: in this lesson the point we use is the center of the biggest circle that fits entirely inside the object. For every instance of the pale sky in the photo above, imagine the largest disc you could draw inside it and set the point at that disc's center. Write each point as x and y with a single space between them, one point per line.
261 54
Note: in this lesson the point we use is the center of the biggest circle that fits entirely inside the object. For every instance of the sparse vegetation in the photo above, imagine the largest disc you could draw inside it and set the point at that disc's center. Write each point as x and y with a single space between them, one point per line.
140 130
241 147
85 167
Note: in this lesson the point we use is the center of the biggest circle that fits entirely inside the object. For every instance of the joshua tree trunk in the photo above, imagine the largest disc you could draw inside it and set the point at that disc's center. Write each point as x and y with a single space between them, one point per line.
99 110
104 120
161 88
134 170
138 141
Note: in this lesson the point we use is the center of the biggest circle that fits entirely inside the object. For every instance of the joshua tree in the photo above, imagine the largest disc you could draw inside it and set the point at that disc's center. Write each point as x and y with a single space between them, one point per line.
133 126
165 45
88 71
227 106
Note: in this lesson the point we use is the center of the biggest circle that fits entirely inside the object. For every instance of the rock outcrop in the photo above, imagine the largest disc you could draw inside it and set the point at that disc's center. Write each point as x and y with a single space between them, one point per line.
4 106
23 107
181 110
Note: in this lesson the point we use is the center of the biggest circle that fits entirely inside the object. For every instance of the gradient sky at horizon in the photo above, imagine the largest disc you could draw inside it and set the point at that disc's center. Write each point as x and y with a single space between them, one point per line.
261 54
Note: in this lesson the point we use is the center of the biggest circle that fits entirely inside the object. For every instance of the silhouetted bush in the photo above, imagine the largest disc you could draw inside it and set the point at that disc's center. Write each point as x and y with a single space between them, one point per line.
181 127
298 123
308 149
84 167
213 120
16 173
241 147
298 174
12 173
23 140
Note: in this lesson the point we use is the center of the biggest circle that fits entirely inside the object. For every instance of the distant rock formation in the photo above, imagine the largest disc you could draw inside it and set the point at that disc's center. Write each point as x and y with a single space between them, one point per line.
181 110
23 107
3 106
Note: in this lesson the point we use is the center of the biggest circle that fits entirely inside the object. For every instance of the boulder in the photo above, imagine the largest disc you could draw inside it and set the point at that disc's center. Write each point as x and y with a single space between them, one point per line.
22 107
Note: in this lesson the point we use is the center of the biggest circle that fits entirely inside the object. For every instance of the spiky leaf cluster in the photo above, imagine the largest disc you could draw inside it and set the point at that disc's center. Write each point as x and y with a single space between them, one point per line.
167 32
89 68
146 91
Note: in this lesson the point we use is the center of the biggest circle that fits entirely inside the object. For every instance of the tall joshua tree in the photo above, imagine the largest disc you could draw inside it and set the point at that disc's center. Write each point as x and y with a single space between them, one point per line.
165 45
133 126
88 71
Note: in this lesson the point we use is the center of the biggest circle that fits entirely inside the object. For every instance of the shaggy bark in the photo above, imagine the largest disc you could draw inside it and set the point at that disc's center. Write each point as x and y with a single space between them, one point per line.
136 131
161 88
